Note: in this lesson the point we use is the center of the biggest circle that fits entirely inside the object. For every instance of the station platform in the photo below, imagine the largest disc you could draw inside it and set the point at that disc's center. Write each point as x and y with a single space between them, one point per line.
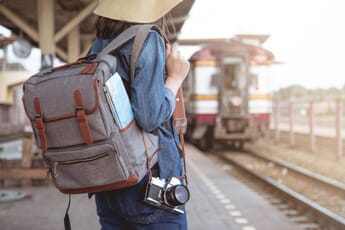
218 201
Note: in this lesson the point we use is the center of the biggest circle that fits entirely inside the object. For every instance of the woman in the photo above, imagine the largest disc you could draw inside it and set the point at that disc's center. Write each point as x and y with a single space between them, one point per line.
159 72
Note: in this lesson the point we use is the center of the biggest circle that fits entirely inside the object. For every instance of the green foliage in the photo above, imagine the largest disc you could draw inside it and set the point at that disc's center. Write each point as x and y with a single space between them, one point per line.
300 92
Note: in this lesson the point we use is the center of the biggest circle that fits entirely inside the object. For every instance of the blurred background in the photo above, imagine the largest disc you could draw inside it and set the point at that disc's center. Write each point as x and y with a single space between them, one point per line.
266 75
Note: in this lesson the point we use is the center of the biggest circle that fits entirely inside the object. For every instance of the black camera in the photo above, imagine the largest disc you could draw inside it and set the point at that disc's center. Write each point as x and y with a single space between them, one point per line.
170 195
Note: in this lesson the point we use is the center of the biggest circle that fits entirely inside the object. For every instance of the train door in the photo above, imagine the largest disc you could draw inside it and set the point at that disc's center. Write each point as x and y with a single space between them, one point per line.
232 122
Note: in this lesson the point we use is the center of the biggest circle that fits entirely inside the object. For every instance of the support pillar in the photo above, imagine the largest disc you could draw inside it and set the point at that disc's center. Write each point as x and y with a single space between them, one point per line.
86 44
26 162
73 43
45 11
291 123
311 127
276 122
339 128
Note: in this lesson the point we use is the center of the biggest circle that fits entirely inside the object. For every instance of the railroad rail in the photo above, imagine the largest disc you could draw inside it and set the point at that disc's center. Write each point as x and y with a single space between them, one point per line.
323 205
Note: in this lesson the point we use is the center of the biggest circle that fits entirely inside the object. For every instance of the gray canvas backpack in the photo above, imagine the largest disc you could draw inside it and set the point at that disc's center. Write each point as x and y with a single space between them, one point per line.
83 147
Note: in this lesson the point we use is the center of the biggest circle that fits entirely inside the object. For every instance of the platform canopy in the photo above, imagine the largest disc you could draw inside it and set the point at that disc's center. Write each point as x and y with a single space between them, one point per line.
64 28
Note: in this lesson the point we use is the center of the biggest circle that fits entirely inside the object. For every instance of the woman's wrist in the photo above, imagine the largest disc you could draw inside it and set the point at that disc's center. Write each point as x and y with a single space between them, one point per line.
173 84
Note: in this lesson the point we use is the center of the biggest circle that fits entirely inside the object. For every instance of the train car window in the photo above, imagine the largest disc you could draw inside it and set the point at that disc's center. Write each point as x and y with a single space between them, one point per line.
242 76
230 78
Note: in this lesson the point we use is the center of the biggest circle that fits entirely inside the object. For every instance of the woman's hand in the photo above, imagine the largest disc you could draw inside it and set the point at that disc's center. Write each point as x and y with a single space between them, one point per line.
177 68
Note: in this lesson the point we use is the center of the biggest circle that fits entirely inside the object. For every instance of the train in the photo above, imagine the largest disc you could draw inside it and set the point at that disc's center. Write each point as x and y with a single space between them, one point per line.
223 100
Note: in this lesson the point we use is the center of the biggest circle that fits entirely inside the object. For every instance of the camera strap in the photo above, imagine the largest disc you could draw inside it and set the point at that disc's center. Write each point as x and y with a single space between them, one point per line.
183 154
180 123
148 159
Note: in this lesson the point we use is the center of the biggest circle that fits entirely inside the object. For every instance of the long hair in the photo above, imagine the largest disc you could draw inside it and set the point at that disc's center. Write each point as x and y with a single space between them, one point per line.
107 28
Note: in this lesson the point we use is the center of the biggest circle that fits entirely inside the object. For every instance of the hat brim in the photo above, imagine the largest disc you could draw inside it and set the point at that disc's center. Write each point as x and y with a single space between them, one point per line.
144 11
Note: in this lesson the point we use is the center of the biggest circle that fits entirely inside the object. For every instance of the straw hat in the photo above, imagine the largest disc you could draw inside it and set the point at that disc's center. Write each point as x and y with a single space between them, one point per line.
139 11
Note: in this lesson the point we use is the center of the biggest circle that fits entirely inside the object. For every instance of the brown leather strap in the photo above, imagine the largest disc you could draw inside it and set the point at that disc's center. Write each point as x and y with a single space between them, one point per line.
180 121
183 153
40 124
93 109
90 69
82 118
148 159
66 65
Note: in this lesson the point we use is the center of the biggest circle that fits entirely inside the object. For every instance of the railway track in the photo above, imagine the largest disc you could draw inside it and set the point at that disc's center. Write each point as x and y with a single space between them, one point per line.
319 198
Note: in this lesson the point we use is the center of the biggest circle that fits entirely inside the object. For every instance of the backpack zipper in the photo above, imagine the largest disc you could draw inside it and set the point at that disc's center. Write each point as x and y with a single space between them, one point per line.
54 168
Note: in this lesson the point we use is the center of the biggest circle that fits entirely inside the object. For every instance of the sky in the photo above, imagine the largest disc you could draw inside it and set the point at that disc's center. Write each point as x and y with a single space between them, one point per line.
308 36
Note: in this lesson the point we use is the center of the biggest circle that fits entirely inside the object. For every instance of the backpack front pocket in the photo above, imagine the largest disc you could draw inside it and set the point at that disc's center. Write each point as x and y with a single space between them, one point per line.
86 168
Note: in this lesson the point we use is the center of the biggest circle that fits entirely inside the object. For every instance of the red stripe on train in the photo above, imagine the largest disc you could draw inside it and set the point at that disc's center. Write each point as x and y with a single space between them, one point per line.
260 116
202 118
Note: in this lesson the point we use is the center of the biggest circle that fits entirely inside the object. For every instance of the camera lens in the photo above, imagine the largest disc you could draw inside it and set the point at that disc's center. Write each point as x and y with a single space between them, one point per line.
177 195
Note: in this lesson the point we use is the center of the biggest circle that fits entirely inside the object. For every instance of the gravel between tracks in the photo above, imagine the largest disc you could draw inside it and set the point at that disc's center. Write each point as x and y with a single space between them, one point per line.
324 164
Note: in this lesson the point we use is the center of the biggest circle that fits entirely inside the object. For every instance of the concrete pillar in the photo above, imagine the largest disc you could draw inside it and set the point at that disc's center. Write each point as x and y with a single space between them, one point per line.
45 11
86 44
311 127
276 122
291 123
27 155
339 128
75 21
73 44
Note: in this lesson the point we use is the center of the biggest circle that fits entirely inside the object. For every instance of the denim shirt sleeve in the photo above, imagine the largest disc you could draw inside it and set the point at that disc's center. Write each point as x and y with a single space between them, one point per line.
152 103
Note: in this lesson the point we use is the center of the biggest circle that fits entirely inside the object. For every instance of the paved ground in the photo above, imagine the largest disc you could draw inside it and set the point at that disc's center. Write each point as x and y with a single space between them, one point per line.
218 202
221 202
44 209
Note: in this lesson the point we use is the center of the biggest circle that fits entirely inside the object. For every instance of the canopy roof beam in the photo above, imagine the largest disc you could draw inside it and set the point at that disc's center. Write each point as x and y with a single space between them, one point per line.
45 11
73 44
29 30
75 21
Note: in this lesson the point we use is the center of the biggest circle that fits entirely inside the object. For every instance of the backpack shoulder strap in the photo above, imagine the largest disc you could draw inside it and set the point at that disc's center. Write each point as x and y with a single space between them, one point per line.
120 40
139 33
180 120
138 43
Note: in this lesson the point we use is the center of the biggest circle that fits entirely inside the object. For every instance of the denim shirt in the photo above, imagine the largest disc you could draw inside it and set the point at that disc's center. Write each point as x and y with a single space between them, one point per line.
153 104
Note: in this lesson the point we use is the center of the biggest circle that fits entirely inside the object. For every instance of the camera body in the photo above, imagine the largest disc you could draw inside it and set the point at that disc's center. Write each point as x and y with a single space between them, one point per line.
170 195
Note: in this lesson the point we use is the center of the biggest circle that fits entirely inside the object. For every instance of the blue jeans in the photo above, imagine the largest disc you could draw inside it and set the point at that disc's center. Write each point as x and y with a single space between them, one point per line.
124 209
